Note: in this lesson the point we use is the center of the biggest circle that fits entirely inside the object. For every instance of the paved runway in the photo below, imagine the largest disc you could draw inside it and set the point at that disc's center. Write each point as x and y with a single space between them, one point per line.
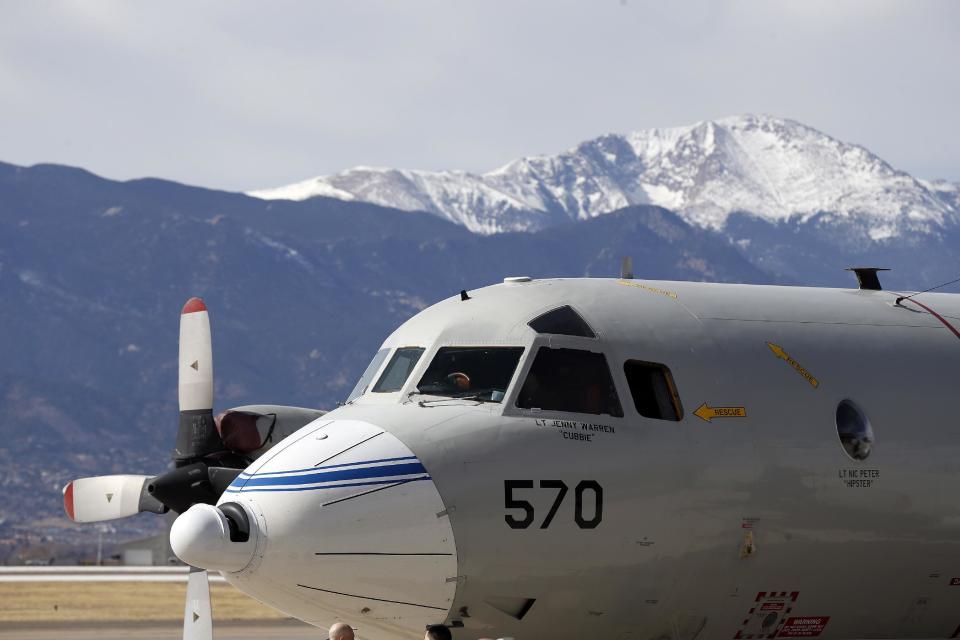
127 631
100 574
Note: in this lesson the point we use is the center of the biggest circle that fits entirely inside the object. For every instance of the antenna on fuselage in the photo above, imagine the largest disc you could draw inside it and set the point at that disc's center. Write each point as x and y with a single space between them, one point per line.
463 295
902 298
867 277
626 268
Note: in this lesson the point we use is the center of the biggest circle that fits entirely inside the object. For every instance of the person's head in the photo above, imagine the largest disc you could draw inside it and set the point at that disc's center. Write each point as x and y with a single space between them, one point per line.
340 631
459 381
438 632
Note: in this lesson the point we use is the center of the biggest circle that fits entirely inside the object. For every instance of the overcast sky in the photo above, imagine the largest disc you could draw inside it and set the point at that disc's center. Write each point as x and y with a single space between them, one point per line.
240 95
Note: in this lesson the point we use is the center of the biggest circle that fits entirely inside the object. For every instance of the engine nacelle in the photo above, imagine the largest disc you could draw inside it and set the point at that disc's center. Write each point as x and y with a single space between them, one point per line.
252 430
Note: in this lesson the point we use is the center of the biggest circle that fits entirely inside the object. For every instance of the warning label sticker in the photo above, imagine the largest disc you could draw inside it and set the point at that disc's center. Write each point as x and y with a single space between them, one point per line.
805 627
765 619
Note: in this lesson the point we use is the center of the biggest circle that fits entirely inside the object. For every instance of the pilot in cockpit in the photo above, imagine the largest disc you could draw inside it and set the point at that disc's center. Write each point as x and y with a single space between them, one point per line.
477 373
458 381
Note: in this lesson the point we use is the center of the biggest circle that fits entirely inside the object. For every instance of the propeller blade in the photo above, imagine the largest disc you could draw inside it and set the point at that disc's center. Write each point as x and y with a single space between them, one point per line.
197 616
197 435
108 498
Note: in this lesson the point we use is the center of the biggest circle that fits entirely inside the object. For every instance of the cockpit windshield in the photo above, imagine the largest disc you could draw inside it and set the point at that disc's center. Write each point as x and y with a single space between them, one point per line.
479 373
570 380
399 369
368 374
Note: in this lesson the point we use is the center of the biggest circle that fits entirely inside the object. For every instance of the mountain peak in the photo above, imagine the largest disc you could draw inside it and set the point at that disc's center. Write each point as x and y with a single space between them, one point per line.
773 168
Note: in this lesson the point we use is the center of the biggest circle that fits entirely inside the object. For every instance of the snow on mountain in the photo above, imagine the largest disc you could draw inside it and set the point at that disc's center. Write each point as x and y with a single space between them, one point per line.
460 197
769 167
949 192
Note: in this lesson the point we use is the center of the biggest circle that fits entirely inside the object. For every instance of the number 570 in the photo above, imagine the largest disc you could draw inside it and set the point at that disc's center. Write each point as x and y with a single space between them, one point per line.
512 502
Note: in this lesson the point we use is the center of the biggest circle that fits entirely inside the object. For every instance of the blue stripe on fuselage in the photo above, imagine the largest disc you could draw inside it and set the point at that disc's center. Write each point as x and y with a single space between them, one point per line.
383 471
245 489
332 466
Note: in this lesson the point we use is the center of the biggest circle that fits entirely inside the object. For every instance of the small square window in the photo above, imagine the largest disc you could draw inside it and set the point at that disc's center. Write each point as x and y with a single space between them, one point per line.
653 390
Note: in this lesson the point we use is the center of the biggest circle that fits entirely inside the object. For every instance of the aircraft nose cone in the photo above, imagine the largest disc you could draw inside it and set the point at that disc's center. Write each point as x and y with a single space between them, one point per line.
201 536
351 520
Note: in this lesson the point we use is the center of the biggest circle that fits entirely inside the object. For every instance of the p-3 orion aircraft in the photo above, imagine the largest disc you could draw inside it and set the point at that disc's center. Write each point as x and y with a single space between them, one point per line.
591 458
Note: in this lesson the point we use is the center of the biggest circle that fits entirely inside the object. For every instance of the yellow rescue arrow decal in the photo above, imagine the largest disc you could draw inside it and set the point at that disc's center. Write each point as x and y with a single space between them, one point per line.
708 413
783 355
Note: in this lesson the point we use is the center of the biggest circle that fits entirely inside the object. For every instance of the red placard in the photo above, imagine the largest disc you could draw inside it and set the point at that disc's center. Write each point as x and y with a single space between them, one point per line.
803 627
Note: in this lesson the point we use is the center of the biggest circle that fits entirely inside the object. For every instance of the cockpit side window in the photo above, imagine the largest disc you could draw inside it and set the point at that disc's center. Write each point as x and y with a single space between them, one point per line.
480 373
368 374
397 372
653 390
570 380
562 321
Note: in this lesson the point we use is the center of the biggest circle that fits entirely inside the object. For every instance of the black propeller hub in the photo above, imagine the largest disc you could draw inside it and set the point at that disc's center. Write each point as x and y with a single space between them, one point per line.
191 484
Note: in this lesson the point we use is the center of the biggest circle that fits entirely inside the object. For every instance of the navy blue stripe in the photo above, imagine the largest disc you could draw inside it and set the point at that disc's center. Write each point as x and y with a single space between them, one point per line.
332 466
383 471
330 486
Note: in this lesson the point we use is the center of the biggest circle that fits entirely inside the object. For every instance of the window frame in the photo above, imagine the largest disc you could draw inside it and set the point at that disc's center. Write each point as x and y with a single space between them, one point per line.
373 378
559 341
866 429
671 386
427 358
592 332
389 361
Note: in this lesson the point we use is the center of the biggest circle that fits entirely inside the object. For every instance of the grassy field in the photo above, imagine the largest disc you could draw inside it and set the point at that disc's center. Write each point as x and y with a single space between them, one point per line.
119 601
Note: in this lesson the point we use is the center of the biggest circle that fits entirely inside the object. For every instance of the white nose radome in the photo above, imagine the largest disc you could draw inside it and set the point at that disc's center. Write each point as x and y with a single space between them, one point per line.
350 523
201 537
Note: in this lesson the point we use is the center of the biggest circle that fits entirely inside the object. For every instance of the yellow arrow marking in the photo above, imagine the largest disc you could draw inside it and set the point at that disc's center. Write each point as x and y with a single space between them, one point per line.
109 497
708 413
783 355
196 365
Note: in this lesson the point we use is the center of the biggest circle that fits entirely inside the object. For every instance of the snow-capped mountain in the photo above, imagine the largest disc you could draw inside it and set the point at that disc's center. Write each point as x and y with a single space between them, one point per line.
772 168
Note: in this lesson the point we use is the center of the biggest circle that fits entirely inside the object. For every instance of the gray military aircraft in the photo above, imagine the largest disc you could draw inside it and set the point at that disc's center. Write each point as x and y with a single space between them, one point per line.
587 458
